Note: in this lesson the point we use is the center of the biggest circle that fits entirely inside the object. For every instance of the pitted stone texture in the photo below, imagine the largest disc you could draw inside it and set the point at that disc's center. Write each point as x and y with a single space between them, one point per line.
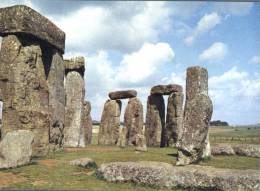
21 19
194 143
75 64
222 149
56 98
25 91
75 93
193 177
122 94
16 148
87 122
140 143
155 120
110 123
196 120
174 118
166 89
133 120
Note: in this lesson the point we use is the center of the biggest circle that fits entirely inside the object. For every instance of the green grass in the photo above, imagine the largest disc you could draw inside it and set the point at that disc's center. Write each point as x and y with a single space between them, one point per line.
54 172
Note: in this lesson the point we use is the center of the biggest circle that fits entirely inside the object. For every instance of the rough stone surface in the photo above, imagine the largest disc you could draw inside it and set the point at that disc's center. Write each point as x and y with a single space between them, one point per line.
122 94
140 143
87 122
75 64
84 162
110 123
188 177
25 90
166 89
155 120
56 98
239 149
174 118
198 110
133 120
122 137
75 93
23 20
16 148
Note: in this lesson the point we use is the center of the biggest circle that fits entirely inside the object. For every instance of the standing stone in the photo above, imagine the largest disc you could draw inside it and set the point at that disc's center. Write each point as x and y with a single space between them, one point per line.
16 148
75 93
56 99
31 47
155 120
110 123
174 118
133 120
197 116
122 137
87 122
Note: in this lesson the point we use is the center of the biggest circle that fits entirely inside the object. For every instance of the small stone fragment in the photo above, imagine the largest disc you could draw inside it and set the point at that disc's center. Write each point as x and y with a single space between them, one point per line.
84 162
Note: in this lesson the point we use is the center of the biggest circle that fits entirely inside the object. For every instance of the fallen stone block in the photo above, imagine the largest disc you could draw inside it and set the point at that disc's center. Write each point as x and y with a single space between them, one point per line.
84 162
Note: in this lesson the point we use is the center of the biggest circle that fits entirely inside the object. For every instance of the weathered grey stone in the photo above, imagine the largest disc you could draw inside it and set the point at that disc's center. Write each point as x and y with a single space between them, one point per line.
75 93
16 148
133 120
174 118
87 122
56 98
122 137
25 90
191 177
122 94
166 89
23 20
75 64
248 150
140 143
84 162
193 145
155 120
110 123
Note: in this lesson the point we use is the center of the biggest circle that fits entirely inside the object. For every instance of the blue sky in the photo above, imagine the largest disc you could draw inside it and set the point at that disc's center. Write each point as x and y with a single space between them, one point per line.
142 44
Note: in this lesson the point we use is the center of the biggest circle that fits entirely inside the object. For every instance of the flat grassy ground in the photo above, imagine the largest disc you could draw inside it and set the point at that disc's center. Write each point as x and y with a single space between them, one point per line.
54 172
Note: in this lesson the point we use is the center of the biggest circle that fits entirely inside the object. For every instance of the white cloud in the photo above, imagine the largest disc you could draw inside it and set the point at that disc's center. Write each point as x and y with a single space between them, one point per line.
205 24
235 96
113 28
255 60
216 51
234 8
141 65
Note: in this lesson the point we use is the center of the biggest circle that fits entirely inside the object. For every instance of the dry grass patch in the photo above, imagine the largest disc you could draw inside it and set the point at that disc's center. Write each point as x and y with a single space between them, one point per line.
8 178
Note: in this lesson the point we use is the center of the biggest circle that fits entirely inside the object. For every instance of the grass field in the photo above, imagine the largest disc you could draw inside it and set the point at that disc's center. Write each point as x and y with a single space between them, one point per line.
54 172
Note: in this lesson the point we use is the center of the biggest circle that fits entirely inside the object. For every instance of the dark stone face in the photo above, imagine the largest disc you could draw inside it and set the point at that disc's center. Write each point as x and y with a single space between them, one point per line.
155 120
75 64
166 89
87 122
21 19
122 94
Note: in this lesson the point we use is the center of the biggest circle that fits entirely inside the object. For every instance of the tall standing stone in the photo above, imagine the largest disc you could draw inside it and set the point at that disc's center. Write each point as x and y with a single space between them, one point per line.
174 118
87 122
110 123
29 45
74 110
197 115
155 120
133 120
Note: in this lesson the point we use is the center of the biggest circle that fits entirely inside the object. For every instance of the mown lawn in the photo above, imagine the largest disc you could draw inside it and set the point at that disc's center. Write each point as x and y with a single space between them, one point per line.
54 172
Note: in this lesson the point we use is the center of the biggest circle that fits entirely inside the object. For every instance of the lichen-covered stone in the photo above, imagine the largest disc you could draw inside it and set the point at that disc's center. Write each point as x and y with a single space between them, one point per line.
75 93
56 98
87 122
23 20
75 64
193 145
110 123
133 120
122 94
25 90
166 89
155 120
16 148
174 118
192 177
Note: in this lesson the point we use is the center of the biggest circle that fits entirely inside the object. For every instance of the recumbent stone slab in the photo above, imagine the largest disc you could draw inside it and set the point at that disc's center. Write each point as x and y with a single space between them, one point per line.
122 94
166 89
